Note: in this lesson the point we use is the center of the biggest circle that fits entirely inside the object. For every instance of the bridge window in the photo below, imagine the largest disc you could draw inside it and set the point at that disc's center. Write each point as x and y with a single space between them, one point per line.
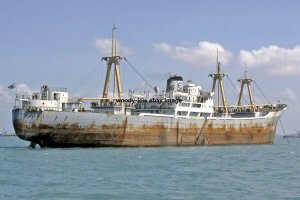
196 105
205 114
194 114
182 113
185 104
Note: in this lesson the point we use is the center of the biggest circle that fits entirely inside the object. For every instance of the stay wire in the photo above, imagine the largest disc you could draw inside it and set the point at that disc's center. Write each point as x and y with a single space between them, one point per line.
85 79
262 92
96 84
140 75
91 89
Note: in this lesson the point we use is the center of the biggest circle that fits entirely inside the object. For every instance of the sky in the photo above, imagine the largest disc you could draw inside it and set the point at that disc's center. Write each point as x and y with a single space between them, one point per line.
61 43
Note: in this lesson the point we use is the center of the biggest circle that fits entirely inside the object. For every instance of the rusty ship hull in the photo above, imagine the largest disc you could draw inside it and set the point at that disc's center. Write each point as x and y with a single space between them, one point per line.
90 129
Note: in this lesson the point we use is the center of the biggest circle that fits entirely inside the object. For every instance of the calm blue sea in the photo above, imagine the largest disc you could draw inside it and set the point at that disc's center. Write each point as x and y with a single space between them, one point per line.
218 172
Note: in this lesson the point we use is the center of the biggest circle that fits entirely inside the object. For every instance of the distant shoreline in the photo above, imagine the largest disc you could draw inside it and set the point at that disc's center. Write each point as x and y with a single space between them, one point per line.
8 135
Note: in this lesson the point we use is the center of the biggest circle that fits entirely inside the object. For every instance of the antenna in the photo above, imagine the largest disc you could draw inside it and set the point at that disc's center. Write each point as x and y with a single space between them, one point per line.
113 46
218 62
245 73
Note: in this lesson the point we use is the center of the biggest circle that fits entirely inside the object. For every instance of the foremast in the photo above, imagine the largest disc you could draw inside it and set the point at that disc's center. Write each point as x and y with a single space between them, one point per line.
218 79
246 82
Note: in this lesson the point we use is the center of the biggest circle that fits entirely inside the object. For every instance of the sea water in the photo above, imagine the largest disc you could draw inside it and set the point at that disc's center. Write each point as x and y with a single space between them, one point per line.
214 172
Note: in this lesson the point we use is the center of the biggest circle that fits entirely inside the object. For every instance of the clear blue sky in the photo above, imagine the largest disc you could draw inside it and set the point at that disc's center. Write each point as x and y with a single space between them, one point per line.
54 42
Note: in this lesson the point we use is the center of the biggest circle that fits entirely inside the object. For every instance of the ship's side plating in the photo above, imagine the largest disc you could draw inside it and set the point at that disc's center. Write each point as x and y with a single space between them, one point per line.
86 129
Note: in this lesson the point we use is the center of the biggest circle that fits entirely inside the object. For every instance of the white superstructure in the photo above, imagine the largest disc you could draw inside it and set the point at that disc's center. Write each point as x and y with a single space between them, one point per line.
48 99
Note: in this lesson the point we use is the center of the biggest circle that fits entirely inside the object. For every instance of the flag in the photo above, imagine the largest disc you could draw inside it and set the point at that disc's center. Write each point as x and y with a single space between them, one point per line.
12 86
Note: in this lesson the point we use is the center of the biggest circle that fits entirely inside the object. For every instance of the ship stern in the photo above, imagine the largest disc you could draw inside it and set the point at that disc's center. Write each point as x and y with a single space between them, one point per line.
19 123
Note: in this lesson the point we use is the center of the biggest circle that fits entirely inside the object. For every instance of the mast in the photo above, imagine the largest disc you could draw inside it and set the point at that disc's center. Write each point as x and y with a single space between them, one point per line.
218 79
246 81
113 61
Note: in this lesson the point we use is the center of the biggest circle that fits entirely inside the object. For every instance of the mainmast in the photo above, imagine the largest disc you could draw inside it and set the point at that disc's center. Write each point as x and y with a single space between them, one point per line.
246 81
218 77
113 61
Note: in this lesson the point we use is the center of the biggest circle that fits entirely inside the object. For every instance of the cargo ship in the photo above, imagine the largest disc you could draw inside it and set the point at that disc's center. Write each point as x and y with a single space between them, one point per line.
181 115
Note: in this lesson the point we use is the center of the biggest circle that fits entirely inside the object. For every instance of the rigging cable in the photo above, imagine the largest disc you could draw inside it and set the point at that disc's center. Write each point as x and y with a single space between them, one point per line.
283 131
236 89
91 89
140 75
262 92
96 84
85 79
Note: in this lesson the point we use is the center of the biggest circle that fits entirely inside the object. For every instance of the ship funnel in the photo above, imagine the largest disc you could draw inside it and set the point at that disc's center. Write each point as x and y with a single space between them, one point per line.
174 84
